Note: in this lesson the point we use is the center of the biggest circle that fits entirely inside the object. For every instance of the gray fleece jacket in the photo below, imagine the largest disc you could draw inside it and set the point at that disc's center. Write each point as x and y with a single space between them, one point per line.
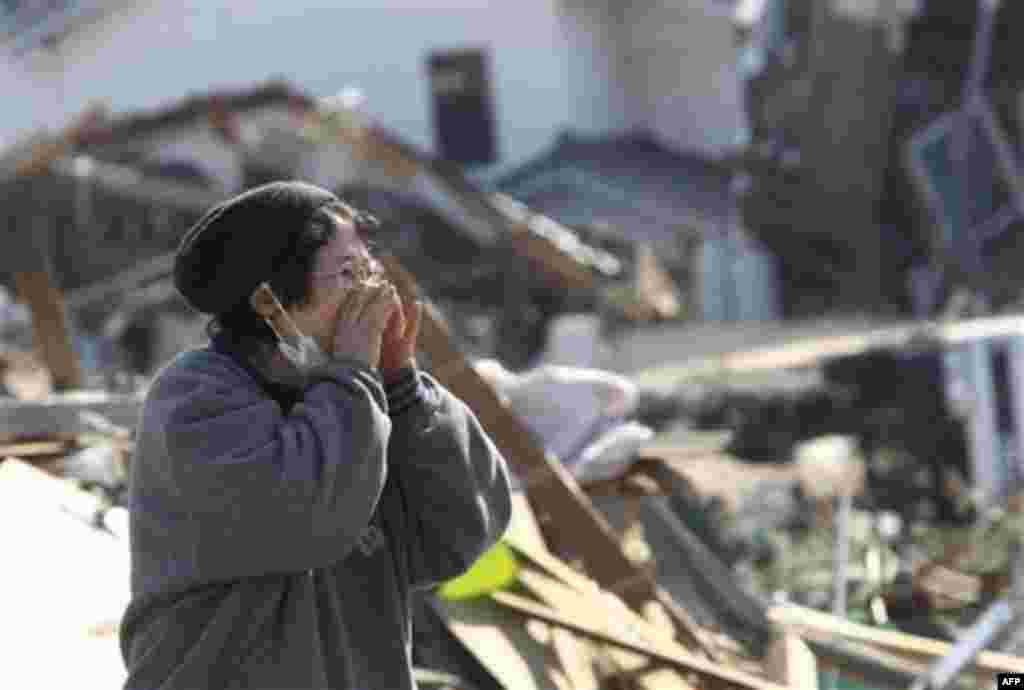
274 546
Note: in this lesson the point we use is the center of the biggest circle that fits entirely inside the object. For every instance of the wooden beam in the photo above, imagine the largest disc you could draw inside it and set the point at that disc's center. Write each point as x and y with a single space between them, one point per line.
655 290
890 660
35 449
49 326
576 659
542 253
799 617
598 609
506 649
663 603
814 351
680 658
604 601
791 662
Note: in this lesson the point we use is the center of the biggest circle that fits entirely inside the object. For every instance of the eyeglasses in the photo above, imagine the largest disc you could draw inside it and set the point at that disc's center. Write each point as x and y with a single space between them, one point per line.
358 269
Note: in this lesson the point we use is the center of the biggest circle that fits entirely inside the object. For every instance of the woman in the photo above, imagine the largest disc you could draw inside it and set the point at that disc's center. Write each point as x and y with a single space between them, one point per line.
295 479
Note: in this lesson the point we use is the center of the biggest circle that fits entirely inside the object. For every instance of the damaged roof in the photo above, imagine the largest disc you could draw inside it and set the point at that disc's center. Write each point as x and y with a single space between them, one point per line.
147 123
631 181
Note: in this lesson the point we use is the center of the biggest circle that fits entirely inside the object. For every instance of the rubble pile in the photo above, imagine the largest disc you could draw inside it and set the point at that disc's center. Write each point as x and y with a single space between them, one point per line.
914 442
768 498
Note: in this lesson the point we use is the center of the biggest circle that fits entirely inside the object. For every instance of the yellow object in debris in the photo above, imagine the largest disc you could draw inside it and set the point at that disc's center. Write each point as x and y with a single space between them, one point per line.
494 570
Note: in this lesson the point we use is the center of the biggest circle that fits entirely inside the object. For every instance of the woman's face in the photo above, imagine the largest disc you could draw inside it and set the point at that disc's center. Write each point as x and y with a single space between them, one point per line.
338 265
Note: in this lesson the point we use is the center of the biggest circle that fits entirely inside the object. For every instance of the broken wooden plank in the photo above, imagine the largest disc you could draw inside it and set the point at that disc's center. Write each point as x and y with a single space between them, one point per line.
429 678
579 582
890 660
38 449
33 281
791 662
576 660
655 290
943 584
565 600
632 485
814 351
572 659
523 528
598 613
37 289
562 269
701 445
501 645
799 617
678 658
524 531
539 554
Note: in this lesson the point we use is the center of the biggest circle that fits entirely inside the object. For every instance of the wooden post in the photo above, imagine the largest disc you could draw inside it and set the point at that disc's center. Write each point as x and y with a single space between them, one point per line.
30 262
28 244
791 662
49 327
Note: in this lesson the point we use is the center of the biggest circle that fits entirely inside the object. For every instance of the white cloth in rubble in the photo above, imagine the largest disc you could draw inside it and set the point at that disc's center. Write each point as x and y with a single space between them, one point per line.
574 340
579 414
610 454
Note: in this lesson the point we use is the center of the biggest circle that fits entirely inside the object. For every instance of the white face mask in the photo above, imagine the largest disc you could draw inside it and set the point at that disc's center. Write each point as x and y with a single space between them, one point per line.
300 349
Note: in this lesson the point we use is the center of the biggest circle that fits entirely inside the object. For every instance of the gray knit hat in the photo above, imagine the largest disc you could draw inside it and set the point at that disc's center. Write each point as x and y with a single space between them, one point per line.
237 243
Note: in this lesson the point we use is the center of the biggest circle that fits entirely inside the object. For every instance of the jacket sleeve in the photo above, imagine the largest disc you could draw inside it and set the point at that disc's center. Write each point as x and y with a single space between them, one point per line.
452 480
268 492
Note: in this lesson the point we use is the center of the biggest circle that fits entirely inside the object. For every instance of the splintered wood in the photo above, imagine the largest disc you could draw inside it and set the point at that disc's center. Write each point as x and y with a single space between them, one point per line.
37 289
910 647
654 287
630 641
677 657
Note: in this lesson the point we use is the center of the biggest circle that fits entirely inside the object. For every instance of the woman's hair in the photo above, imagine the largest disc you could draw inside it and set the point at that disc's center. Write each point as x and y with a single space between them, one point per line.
290 280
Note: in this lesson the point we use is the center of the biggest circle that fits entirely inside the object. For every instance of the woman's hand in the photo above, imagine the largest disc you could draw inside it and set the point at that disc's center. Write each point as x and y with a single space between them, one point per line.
398 349
365 312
